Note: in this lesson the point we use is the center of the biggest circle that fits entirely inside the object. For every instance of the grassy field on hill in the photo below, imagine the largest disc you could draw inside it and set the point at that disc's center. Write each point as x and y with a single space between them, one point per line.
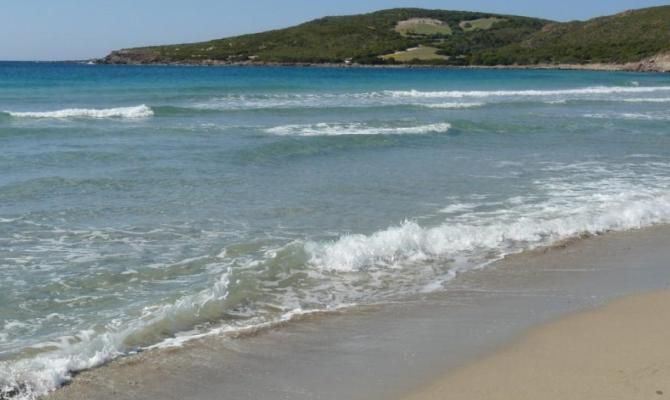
423 27
416 54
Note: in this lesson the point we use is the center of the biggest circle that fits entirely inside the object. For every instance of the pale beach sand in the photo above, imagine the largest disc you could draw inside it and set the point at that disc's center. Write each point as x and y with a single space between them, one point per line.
619 351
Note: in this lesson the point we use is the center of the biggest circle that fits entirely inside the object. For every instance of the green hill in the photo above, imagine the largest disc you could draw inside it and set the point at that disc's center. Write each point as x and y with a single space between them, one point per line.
622 38
418 36
360 38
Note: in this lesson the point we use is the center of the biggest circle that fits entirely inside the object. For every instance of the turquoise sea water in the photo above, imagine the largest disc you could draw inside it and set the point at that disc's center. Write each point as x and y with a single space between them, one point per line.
143 206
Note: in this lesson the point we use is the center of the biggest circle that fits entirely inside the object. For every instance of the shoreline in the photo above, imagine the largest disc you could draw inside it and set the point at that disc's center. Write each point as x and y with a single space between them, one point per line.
617 351
644 66
433 333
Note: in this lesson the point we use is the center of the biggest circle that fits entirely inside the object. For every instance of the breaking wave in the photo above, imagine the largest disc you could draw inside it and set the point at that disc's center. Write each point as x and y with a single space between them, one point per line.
339 129
416 98
340 269
578 199
571 210
648 100
141 111
454 105
630 116
531 92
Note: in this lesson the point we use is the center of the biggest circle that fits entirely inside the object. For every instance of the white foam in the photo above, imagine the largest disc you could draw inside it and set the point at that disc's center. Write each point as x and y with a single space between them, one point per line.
648 100
454 105
290 100
645 117
9 325
290 315
642 155
569 210
337 129
37 376
259 103
458 207
141 111
41 374
587 197
410 243
526 93
409 98
630 116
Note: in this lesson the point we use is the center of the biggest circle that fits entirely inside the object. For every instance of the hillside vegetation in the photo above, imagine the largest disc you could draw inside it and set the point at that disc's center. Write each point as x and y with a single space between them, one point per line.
359 38
622 38
435 37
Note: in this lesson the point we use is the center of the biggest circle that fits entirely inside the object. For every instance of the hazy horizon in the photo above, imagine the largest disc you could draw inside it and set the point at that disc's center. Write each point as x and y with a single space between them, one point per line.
40 30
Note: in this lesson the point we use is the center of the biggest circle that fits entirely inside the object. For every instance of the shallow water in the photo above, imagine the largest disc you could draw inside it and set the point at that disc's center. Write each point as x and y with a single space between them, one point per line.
141 206
384 352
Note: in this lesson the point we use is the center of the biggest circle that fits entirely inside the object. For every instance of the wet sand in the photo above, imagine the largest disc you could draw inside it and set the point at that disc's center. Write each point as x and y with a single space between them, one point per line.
619 351
388 351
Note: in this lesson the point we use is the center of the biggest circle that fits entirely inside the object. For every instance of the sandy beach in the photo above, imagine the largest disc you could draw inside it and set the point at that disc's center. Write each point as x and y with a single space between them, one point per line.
618 351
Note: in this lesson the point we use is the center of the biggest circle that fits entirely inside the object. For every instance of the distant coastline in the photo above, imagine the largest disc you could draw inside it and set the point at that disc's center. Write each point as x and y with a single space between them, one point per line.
642 66
635 40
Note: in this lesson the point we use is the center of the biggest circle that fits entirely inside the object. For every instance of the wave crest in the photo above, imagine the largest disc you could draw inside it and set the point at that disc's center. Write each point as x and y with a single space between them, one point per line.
141 111
531 92
476 239
335 129
455 105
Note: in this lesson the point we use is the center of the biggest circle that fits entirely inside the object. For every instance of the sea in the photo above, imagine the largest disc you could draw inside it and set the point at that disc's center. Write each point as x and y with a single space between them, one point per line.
142 207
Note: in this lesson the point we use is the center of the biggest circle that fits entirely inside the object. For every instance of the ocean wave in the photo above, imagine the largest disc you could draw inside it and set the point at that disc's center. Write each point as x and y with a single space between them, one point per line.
286 101
578 199
594 90
165 326
630 116
141 111
454 105
32 378
393 98
265 101
387 98
411 243
570 211
339 129
648 100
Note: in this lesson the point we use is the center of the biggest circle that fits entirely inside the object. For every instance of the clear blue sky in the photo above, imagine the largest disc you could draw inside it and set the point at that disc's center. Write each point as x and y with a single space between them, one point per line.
77 29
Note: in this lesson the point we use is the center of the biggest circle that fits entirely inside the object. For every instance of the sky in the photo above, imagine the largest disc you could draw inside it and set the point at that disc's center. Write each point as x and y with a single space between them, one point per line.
82 29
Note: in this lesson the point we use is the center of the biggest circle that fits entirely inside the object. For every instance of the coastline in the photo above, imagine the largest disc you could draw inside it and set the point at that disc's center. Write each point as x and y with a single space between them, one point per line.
618 351
657 64
384 351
